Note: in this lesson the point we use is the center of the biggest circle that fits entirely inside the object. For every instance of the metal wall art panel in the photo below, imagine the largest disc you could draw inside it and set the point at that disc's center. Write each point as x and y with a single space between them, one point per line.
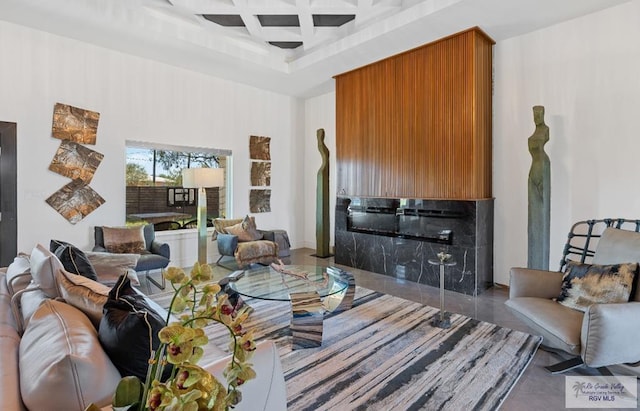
259 148
260 201
75 124
75 161
260 173
75 200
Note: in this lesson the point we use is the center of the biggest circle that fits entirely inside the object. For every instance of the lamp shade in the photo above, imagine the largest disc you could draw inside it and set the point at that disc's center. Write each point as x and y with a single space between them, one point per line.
202 177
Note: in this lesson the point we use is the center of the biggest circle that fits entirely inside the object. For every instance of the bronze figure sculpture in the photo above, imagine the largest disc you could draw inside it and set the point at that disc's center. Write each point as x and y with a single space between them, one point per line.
322 200
539 192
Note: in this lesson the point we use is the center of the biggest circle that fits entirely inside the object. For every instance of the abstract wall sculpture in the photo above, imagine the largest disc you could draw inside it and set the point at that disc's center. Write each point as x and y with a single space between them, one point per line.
260 201
260 153
259 148
75 200
260 173
74 160
75 126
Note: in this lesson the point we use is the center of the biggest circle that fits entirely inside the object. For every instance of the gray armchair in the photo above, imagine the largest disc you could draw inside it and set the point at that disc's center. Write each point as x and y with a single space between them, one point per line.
156 256
263 250
604 334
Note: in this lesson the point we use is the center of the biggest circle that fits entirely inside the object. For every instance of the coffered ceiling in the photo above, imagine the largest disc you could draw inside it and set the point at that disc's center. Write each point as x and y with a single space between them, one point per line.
288 46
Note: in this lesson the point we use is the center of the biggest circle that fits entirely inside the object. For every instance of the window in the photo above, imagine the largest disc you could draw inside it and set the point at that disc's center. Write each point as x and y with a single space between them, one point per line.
154 184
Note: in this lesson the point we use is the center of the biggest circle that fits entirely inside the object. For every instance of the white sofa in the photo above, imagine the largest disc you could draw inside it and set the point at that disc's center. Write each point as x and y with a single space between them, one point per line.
57 362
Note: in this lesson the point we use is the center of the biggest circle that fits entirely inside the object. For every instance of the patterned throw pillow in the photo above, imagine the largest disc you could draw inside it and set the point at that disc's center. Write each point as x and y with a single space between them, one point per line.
587 284
245 230
124 240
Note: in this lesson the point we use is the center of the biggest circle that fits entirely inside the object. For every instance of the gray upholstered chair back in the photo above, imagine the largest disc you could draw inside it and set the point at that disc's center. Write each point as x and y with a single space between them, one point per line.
584 236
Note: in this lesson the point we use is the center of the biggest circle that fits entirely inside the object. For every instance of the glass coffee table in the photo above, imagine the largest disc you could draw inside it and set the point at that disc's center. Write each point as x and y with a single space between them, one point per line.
312 290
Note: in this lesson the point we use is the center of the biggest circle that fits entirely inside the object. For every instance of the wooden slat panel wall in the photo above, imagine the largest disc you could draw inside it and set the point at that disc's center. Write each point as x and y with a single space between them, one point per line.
418 124
483 110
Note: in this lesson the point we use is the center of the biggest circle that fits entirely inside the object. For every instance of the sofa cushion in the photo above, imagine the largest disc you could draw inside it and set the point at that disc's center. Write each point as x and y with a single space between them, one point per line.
62 366
30 301
73 259
86 295
558 325
10 398
6 314
129 330
124 239
19 273
44 266
587 284
109 267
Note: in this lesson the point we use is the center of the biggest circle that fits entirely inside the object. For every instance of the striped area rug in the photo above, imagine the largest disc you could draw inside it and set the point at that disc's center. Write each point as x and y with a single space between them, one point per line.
384 354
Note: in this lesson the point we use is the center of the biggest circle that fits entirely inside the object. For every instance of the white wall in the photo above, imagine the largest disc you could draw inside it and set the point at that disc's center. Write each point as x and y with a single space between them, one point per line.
586 72
139 100
320 112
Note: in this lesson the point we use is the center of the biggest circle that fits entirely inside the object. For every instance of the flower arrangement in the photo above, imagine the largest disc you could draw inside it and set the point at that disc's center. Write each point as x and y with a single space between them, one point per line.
190 387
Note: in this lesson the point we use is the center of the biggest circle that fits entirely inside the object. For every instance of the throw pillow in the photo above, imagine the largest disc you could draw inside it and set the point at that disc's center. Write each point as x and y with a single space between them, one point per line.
124 239
73 259
62 366
246 230
109 267
129 330
44 266
86 295
587 284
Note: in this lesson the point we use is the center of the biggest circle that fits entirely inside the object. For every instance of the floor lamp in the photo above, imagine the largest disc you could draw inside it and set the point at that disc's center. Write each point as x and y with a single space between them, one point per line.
202 178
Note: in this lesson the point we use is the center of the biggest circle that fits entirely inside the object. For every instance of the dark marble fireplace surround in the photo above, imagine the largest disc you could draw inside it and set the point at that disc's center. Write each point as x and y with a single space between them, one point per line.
397 237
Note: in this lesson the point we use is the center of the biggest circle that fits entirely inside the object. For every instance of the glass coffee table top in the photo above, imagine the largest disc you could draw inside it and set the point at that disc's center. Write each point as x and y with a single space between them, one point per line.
267 283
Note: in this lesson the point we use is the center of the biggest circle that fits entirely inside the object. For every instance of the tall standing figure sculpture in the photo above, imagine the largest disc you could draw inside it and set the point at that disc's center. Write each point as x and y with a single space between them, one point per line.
322 200
539 194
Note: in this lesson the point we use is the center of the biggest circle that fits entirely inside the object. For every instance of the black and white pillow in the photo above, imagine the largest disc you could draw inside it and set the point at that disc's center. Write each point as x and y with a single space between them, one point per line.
129 330
73 259
587 284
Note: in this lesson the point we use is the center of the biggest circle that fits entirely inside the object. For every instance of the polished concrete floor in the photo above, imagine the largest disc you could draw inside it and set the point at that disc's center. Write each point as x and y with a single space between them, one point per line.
536 389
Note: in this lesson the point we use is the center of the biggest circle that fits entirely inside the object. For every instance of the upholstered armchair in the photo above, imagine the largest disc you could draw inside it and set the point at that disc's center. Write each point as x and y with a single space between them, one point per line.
239 238
591 307
154 255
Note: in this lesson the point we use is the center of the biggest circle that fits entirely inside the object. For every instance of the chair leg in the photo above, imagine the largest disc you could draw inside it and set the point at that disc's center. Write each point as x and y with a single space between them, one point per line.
564 366
162 284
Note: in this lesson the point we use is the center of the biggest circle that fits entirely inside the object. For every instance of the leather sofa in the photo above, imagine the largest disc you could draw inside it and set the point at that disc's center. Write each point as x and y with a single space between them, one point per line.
56 361
603 334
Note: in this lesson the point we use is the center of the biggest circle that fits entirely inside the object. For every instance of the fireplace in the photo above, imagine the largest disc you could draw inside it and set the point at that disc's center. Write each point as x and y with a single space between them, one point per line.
397 237
422 225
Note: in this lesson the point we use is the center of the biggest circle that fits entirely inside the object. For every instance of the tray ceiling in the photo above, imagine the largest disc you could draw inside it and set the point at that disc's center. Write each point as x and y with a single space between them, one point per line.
289 46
